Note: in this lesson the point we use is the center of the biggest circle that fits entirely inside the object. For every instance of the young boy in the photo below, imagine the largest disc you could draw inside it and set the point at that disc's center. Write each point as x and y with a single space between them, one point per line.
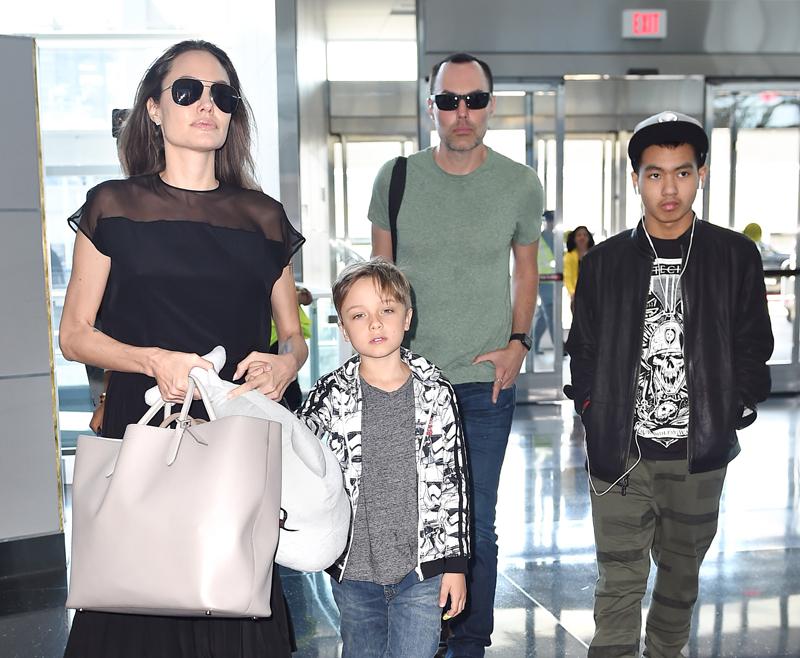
391 419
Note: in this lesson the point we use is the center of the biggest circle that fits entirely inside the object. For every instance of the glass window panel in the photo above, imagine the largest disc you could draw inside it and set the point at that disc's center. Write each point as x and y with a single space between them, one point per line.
767 194
338 190
510 143
720 176
364 159
130 16
372 60
80 82
766 189
583 184
766 182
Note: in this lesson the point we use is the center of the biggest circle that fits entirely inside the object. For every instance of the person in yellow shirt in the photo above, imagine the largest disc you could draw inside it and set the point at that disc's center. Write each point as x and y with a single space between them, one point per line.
579 241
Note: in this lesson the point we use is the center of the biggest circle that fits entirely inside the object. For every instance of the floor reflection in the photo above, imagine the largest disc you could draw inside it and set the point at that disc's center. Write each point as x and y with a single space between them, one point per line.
749 605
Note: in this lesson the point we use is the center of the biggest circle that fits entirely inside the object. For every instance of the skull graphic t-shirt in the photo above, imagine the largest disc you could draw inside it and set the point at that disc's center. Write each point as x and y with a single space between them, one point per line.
661 420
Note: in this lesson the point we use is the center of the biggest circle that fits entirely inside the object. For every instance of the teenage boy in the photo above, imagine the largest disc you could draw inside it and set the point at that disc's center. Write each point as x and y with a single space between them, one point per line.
391 419
668 346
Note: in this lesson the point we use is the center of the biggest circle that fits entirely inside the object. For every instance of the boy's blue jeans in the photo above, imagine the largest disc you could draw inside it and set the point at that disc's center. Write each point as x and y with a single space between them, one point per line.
389 621
486 430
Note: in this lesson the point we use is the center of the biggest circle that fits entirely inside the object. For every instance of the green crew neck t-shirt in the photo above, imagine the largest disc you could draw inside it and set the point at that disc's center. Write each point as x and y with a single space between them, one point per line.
454 236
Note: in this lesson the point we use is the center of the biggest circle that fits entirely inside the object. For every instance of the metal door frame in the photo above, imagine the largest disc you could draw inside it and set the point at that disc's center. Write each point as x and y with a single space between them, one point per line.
785 376
540 386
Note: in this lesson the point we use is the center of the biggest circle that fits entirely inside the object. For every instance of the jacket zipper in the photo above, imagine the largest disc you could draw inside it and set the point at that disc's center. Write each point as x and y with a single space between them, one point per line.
349 545
419 485
687 364
351 534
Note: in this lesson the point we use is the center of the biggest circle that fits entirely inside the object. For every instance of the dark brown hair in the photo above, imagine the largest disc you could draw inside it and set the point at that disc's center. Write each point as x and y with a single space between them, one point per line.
462 58
141 144
571 244
387 277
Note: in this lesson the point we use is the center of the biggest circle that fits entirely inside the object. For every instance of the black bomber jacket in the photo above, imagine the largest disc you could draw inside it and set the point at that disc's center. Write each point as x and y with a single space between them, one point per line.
727 342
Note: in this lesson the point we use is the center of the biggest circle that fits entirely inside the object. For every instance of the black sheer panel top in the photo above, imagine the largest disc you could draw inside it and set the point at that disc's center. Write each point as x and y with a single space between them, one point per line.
189 270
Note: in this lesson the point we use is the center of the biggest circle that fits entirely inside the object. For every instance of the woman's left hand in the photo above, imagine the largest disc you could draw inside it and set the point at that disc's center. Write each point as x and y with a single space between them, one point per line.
269 374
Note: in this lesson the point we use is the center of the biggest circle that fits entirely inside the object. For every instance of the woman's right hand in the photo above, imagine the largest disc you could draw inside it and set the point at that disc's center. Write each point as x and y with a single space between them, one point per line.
171 372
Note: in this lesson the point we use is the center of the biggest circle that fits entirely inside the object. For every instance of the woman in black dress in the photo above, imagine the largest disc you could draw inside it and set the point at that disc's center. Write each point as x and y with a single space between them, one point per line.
184 254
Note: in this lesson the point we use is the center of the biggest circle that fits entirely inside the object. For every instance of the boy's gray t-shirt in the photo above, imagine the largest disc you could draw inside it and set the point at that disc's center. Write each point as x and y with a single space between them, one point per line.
454 234
385 545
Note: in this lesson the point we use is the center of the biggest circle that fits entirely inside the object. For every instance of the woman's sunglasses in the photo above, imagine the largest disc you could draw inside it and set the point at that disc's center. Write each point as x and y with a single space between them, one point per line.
475 100
187 91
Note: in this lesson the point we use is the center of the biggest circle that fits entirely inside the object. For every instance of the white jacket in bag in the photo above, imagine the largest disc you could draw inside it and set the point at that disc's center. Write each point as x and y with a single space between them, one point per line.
315 509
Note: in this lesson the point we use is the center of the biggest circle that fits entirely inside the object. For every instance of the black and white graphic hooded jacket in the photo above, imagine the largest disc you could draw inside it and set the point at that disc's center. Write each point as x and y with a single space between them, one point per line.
333 412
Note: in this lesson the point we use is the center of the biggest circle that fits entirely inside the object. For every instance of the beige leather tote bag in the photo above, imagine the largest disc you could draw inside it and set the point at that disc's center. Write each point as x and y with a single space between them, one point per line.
180 522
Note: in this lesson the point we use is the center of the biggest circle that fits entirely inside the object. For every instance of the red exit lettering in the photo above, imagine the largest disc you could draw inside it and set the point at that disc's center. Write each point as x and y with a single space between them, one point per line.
646 23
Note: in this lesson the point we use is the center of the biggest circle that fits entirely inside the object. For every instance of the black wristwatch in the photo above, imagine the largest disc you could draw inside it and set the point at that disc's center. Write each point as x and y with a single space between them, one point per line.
525 339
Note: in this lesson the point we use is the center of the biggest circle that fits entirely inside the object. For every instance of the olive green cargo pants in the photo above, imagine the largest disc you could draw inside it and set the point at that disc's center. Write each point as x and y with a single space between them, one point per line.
666 513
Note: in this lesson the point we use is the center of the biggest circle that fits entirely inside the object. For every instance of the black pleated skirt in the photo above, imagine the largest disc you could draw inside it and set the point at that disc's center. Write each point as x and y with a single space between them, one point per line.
107 635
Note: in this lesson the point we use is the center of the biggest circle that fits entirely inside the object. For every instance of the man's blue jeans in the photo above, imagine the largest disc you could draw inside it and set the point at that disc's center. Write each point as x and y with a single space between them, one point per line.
389 621
486 430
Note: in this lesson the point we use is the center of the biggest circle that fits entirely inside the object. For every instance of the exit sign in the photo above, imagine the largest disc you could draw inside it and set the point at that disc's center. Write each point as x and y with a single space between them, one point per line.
644 23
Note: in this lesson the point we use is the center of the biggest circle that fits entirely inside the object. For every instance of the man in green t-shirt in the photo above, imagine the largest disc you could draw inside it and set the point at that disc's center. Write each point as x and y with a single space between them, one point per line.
465 210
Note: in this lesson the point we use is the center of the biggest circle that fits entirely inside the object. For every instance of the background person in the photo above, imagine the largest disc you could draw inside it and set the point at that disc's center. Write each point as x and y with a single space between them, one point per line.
579 241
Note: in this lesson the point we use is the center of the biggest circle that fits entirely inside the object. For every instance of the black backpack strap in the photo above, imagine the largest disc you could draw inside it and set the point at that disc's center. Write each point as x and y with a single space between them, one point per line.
397 187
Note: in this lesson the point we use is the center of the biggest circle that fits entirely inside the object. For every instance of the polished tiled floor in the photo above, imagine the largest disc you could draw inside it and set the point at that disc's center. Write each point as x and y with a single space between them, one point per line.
749 604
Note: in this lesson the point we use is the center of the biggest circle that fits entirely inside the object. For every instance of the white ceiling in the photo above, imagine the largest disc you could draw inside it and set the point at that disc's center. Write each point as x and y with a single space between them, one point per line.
370 19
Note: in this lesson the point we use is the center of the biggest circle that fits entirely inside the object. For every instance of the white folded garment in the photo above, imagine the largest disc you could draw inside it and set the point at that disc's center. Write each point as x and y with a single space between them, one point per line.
315 510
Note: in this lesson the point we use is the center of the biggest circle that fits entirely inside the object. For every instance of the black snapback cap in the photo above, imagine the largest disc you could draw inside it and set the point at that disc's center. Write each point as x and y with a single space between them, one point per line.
665 128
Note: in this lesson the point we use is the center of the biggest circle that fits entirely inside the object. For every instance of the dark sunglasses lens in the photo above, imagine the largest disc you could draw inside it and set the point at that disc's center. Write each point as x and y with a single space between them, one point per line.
186 91
478 100
446 102
225 97
449 102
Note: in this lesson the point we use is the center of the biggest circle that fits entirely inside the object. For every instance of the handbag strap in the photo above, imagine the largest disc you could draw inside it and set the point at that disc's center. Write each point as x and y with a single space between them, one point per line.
194 382
171 418
182 418
397 187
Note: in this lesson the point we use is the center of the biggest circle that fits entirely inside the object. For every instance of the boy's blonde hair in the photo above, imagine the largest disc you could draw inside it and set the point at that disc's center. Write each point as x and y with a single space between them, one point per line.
387 277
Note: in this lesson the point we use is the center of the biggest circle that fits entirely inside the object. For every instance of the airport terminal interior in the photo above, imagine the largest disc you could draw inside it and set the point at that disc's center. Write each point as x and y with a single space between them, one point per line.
338 88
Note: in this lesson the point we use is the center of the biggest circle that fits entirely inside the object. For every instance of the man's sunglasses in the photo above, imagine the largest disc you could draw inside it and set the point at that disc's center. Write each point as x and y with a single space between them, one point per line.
187 91
475 100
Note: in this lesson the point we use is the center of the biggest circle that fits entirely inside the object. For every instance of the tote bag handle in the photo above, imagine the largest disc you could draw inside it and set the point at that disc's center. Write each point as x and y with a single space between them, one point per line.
183 420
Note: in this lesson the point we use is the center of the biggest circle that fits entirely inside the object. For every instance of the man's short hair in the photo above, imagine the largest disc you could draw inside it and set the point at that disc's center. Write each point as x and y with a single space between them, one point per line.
462 58
387 277
670 129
